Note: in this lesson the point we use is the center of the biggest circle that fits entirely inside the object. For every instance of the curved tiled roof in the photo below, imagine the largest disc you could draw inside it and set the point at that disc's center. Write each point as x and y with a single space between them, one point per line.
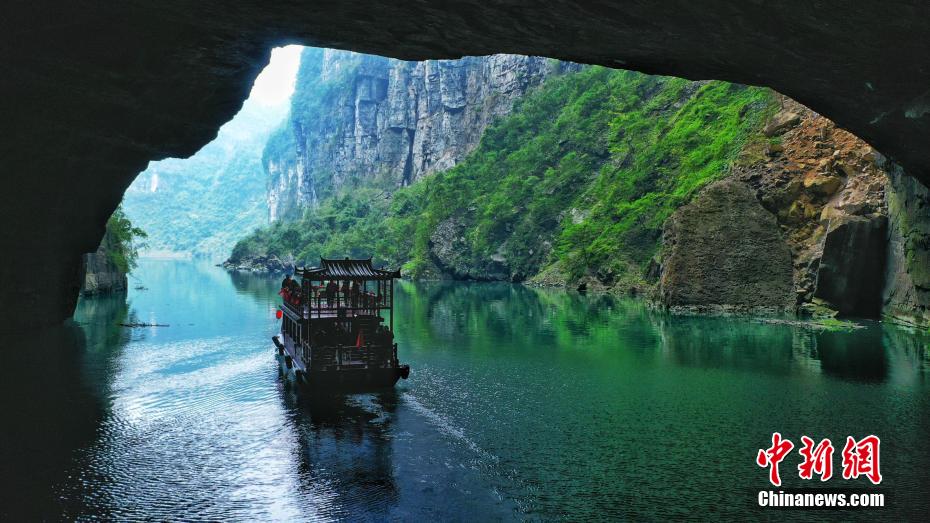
348 269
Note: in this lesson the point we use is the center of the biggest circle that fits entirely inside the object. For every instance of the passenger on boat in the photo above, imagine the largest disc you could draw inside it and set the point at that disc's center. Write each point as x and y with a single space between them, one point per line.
285 291
384 335
294 288
345 292
356 290
331 288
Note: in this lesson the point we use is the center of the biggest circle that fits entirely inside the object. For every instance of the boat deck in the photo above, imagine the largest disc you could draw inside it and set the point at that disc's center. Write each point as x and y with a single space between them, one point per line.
321 312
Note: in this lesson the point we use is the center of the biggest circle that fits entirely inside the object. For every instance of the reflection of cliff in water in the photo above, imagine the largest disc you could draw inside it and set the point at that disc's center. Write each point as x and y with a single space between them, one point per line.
345 467
857 356
54 392
908 353
736 343
864 355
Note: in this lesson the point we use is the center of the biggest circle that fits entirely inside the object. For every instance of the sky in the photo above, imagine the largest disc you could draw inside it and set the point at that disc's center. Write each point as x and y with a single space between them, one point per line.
275 83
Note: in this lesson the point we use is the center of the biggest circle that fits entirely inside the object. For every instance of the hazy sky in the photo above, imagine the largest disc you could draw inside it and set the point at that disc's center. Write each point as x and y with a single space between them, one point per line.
275 83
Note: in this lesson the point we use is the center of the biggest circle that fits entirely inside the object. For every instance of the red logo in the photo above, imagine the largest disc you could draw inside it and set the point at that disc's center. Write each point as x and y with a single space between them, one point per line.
819 460
772 456
860 458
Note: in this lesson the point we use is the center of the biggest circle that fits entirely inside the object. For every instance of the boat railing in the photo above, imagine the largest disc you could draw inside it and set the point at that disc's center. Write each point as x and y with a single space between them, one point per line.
337 356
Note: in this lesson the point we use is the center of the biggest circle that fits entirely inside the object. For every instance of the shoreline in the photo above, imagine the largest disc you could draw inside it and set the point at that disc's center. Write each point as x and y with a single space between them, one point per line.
766 315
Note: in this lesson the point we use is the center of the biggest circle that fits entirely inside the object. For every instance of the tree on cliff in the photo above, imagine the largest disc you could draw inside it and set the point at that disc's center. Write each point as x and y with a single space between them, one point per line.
123 241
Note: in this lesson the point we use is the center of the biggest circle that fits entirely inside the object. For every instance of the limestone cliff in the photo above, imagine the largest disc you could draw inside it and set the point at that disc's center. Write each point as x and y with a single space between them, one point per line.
357 115
101 273
725 252
906 294
856 246
578 185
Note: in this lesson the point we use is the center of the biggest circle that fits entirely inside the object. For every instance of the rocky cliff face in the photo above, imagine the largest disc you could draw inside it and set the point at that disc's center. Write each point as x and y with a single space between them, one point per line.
725 253
101 275
358 115
906 294
855 226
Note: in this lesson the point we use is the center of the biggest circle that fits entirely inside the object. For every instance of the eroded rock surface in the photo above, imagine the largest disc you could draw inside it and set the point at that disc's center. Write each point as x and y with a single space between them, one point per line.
906 296
851 272
725 253
449 252
815 177
857 228
101 275
397 120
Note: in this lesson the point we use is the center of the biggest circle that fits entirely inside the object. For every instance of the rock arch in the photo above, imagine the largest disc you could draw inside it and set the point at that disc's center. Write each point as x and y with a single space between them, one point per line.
92 92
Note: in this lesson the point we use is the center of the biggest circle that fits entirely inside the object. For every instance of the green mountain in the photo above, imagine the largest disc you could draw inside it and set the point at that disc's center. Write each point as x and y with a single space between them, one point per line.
203 204
574 183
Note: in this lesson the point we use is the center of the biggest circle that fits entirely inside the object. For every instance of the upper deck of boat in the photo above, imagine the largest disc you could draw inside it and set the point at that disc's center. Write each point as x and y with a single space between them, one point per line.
341 289
319 308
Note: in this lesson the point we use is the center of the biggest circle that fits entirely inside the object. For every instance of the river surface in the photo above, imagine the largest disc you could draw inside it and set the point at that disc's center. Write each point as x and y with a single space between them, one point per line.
522 404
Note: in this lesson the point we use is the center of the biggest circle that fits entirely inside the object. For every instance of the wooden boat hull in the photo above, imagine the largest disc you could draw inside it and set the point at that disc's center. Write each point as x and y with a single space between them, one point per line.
343 380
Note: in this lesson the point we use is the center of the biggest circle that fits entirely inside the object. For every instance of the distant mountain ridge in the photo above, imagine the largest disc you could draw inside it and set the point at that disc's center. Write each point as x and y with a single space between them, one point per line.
200 206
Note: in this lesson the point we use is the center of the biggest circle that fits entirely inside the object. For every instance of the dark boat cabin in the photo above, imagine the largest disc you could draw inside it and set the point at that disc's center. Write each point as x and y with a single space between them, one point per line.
338 325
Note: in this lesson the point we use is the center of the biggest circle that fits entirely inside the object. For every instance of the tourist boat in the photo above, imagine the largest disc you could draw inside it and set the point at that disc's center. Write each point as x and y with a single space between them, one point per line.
333 333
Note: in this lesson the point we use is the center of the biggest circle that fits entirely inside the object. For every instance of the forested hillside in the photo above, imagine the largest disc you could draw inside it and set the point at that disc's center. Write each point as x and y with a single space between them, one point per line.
575 183
203 204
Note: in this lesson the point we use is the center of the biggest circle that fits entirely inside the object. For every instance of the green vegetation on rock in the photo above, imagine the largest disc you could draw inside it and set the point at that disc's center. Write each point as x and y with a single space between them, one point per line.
123 241
574 185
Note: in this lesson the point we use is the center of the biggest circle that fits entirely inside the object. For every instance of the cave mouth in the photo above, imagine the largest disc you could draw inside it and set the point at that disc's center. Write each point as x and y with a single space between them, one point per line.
851 275
200 206
342 115
121 85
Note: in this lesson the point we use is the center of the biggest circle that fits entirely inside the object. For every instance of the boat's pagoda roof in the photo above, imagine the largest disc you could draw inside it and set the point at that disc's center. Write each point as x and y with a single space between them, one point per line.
347 270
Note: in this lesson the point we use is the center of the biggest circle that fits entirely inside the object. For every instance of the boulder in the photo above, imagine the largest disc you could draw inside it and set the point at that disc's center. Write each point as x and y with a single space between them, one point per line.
781 122
723 252
823 185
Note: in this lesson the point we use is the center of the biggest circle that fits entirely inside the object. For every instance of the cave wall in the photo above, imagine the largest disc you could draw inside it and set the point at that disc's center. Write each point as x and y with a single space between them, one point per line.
906 296
94 91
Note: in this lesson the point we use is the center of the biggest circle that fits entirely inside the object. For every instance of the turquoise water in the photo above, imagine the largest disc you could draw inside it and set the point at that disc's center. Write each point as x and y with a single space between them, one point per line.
522 404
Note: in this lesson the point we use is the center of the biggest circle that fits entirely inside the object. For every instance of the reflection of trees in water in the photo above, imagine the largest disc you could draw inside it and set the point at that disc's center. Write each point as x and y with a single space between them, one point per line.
261 287
523 316
908 352
100 318
483 315
717 342
55 390
345 448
